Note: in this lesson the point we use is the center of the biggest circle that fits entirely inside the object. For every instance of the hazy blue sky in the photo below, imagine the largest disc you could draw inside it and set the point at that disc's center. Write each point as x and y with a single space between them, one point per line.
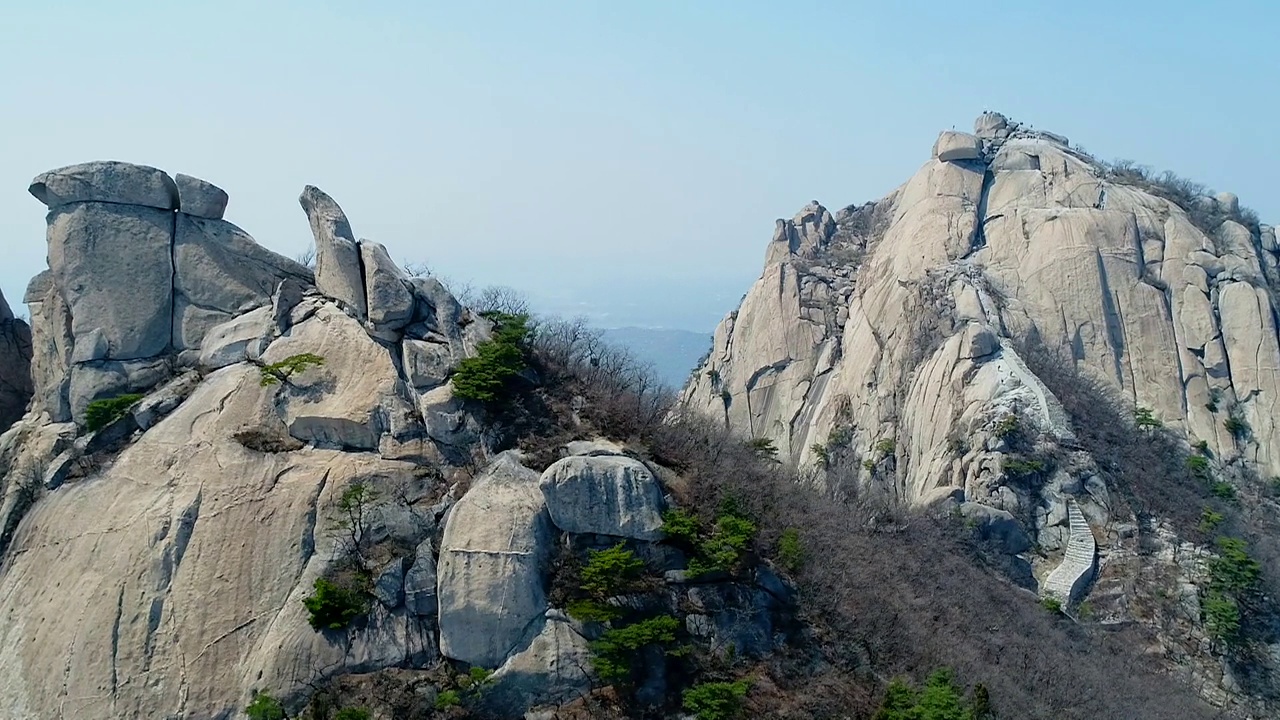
622 158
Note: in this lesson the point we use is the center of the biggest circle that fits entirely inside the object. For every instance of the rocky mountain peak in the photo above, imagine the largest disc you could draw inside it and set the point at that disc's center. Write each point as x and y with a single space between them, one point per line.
883 351
269 478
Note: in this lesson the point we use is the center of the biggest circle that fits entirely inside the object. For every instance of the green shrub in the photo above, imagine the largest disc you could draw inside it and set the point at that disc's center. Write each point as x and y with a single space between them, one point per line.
264 707
884 447
717 551
1237 426
101 413
333 606
477 676
821 452
1144 418
1052 604
839 436
764 447
617 649
722 549
353 714
1210 520
680 525
277 373
1233 571
1223 490
592 611
900 702
1018 467
791 550
610 571
1007 426
1084 611
1199 466
1221 617
446 699
941 699
486 376
716 700
1202 447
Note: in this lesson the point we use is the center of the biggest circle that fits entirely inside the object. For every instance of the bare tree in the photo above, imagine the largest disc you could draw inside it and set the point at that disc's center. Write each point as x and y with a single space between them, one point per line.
307 258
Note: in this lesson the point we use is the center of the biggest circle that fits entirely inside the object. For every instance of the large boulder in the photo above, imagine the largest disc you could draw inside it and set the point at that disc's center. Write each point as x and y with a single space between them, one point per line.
15 366
113 265
605 495
952 146
241 338
387 288
200 198
554 668
338 273
221 272
106 181
493 557
996 526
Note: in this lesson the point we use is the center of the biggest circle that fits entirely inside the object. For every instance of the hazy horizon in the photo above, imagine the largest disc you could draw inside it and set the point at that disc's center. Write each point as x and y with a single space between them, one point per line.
625 163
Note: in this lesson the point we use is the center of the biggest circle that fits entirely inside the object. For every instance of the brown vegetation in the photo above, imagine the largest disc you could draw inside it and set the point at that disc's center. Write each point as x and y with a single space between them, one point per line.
895 594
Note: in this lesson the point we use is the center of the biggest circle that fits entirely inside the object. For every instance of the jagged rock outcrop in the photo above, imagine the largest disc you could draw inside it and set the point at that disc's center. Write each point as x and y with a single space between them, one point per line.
135 282
197 521
15 366
879 350
338 273
915 288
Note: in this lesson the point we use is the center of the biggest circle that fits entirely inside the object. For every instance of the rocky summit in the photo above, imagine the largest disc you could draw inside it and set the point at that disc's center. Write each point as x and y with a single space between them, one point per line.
1024 403
910 348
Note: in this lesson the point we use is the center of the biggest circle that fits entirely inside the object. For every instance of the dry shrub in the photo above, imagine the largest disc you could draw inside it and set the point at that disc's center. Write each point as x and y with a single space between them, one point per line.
893 594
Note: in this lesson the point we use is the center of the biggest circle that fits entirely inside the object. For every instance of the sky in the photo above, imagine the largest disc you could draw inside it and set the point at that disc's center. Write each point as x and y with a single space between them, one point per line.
624 161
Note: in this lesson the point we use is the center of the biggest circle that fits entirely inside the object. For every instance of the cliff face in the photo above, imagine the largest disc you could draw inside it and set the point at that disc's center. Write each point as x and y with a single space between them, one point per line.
866 317
15 366
155 567
221 441
879 350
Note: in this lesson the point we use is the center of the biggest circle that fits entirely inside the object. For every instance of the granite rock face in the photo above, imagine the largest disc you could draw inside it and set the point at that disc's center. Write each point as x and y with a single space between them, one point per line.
15 366
492 567
200 198
950 273
338 273
883 350
213 479
136 280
